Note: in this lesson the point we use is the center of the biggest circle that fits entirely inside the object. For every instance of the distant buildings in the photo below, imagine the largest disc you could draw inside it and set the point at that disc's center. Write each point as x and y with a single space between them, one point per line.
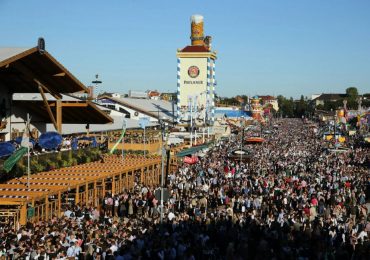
136 108
325 97
269 101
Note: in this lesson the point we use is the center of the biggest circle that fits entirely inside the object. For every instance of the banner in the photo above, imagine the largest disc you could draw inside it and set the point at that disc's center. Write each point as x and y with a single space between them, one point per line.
191 160
14 158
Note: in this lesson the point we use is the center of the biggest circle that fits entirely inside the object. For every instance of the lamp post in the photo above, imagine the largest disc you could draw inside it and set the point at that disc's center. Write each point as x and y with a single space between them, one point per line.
163 128
96 82
191 120
123 138
242 139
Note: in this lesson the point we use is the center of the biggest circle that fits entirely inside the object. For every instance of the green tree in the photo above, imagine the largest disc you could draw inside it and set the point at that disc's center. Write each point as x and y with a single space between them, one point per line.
352 92
352 95
286 106
301 107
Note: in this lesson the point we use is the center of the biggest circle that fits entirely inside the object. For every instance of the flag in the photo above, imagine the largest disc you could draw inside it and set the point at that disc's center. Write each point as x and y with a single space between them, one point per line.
25 145
14 158
118 141
26 137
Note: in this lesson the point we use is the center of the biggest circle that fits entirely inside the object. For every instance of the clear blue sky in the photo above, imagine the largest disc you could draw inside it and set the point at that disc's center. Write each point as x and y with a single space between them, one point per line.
288 47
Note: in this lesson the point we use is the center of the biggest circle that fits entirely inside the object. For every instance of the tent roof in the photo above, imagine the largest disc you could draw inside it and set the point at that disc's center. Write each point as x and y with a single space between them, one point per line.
20 67
191 150
78 111
150 107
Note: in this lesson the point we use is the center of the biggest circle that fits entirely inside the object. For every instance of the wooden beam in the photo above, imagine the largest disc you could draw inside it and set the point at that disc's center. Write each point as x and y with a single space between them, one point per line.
77 195
27 72
59 116
23 215
47 210
64 104
17 57
8 203
59 203
75 104
53 93
87 193
47 106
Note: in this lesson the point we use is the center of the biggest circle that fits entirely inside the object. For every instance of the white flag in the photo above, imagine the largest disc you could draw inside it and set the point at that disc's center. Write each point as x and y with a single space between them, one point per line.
26 138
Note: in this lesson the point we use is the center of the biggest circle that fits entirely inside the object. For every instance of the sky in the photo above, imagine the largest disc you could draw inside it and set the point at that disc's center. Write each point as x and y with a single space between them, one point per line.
288 47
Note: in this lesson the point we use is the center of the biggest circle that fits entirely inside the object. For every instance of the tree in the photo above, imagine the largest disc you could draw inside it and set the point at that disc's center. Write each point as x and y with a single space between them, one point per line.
301 107
352 95
352 92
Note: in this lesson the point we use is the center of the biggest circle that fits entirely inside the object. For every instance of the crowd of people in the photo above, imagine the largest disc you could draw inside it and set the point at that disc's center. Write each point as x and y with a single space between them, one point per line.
293 200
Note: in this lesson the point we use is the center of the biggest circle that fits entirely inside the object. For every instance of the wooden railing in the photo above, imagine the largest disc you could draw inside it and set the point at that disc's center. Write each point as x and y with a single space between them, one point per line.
151 147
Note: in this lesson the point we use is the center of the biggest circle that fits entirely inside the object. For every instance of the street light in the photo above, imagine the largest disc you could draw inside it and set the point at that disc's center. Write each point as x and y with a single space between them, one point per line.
162 124
192 102
123 139
96 82
241 142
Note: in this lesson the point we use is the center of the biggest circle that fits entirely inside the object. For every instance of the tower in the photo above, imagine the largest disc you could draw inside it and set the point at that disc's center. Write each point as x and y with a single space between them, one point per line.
256 108
196 80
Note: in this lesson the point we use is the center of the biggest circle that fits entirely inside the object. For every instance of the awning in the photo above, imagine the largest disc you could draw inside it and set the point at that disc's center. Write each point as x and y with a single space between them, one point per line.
191 150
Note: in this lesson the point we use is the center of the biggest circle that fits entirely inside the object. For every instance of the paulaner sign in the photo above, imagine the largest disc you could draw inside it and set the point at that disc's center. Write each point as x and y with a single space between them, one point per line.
193 82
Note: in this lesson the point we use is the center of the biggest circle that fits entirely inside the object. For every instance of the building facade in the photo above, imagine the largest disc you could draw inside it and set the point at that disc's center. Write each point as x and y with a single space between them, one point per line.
196 79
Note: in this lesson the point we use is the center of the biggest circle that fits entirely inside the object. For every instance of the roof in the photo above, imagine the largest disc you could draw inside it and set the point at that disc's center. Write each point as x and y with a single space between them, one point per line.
117 124
6 53
85 113
331 96
192 150
153 93
195 48
267 97
19 67
150 107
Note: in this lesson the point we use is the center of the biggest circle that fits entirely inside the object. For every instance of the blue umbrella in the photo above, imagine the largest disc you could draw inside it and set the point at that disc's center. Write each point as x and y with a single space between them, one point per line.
18 140
94 143
6 149
74 144
50 140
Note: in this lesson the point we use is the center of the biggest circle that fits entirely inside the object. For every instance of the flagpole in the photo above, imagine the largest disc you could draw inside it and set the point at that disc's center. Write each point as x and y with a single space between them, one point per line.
123 139
28 153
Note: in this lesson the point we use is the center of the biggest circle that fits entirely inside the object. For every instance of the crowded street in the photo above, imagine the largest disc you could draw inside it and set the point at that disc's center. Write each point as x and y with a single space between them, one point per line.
293 200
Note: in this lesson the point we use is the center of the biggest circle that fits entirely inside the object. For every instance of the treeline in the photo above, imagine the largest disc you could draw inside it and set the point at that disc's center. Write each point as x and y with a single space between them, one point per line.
306 107
288 107
292 108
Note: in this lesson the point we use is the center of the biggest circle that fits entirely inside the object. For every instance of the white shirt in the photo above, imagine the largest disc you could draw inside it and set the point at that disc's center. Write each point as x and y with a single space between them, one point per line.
171 216
113 248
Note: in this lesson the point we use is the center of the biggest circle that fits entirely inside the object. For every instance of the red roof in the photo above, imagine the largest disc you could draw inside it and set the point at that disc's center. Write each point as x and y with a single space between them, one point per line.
153 93
267 97
195 48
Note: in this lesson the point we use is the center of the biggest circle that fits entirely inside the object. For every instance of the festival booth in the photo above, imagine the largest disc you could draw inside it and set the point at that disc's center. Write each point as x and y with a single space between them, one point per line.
254 140
240 155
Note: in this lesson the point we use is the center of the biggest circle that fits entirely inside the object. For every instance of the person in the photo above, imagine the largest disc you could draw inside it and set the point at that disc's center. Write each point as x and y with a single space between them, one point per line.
73 251
293 200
